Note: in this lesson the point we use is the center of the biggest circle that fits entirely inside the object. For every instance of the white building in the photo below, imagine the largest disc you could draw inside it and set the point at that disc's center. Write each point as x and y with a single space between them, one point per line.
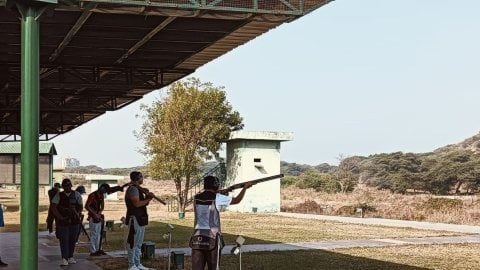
70 163
252 155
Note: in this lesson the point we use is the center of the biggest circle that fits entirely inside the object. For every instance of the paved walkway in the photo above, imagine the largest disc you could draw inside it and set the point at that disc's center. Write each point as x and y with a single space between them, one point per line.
48 253
49 258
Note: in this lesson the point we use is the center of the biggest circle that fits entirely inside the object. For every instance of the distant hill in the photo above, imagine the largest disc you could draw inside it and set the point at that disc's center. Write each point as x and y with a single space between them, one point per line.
454 168
472 144
94 169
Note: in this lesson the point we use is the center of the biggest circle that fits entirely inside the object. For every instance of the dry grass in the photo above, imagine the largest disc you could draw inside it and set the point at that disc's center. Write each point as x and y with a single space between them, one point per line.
386 204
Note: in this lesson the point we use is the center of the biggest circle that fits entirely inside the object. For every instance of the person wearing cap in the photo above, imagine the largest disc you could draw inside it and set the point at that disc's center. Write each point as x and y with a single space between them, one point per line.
50 217
206 241
67 208
95 205
136 201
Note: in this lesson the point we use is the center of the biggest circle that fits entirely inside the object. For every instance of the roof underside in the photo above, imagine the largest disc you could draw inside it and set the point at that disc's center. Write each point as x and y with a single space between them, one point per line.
98 56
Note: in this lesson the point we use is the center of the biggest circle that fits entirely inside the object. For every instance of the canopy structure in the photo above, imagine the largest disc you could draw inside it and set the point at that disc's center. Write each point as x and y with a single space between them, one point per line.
98 56
65 62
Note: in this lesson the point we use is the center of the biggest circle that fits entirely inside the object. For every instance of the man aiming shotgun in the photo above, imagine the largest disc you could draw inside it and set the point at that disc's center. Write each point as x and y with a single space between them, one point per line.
206 241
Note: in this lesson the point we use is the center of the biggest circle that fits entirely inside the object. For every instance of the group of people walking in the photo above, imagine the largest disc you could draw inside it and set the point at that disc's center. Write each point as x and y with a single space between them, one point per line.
66 209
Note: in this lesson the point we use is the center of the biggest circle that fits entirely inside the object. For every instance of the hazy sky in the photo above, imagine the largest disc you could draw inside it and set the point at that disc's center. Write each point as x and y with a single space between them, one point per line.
353 78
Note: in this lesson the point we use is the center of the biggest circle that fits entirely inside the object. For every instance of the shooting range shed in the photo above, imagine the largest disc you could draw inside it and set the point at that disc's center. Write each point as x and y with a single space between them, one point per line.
10 167
252 155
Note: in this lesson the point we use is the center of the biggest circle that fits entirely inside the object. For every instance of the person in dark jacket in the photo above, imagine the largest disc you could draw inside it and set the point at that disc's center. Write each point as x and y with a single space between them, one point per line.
136 201
67 208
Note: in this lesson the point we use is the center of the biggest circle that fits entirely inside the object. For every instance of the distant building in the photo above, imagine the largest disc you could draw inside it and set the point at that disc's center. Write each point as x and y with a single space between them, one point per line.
10 164
70 163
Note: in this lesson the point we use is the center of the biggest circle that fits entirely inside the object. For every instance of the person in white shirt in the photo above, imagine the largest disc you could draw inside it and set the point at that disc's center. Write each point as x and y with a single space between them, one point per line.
206 241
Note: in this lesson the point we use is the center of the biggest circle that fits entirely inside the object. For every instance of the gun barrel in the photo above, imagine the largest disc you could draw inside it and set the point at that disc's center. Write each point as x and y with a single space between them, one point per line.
254 182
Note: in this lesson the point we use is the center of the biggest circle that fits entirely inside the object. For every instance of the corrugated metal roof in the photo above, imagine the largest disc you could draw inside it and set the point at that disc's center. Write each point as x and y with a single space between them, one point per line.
101 55
15 148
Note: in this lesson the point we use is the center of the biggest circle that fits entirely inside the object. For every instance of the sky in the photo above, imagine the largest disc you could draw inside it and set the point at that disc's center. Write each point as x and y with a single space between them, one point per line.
351 78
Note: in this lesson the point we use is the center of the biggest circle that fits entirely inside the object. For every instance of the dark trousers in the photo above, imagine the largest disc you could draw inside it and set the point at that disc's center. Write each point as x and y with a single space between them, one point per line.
50 219
67 235
200 258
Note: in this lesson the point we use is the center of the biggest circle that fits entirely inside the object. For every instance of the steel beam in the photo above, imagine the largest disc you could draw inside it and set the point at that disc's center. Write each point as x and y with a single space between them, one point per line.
280 7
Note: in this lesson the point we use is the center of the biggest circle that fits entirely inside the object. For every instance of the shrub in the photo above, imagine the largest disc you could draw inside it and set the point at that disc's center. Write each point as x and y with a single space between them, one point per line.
441 204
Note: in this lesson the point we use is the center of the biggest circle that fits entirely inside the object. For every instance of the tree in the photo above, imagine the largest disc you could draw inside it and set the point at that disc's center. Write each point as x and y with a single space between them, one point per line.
347 172
185 128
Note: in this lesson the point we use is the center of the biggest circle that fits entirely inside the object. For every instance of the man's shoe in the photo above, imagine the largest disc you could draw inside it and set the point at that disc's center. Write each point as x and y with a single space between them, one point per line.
133 268
64 263
141 267
71 260
101 252
3 264
94 253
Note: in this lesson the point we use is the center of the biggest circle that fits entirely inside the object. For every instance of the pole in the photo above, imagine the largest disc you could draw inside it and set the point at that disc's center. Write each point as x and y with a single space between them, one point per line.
169 249
29 136
240 256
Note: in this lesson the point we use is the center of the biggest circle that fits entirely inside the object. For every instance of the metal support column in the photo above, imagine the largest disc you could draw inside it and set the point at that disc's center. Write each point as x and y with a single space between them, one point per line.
29 137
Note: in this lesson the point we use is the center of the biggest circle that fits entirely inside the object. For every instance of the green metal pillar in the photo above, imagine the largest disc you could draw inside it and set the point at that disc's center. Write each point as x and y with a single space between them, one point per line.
29 136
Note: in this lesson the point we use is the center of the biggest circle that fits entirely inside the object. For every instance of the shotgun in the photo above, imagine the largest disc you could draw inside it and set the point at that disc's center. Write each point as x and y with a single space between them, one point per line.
254 182
146 192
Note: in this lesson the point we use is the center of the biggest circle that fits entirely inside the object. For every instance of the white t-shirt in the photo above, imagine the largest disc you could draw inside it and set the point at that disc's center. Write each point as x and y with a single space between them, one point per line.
203 211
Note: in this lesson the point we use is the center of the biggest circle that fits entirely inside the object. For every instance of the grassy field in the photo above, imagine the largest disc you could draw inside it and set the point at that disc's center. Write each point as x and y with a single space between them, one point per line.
264 228
440 257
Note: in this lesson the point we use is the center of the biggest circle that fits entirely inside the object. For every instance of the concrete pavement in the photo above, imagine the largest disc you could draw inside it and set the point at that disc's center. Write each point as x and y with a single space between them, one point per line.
48 253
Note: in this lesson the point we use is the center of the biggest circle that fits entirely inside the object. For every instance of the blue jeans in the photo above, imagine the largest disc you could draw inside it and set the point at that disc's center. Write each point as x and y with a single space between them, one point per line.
95 232
67 235
135 252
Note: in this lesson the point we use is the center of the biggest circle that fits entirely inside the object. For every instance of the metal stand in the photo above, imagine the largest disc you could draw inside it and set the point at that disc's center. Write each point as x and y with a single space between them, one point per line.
237 250
168 236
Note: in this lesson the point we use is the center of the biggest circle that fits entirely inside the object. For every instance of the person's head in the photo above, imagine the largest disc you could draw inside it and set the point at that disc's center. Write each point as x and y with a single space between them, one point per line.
57 185
67 185
136 177
211 182
104 188
81 190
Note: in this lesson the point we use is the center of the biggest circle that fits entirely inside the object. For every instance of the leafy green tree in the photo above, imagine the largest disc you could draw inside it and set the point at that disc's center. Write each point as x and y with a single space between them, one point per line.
450 170
183 129
318 181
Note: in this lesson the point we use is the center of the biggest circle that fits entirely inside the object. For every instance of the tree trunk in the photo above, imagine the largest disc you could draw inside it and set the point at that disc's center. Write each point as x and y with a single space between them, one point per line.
180 199
457 188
